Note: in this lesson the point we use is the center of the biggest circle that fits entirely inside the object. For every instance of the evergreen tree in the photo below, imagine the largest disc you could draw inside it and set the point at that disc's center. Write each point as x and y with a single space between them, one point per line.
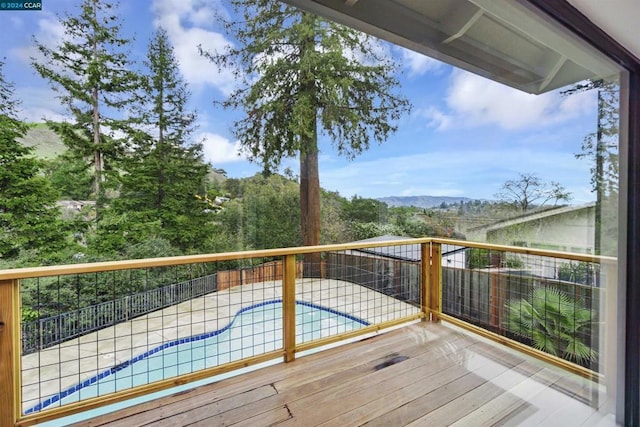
602 150
301 76
270 213
69 176
91 72
165 176
29 218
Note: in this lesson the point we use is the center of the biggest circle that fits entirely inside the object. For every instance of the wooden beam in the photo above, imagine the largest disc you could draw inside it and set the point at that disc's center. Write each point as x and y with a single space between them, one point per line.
465 27
58 270
435 277
9 353
425 274
289 308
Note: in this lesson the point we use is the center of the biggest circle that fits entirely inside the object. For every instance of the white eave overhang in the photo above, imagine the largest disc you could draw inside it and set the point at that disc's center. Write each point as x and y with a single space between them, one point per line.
503 40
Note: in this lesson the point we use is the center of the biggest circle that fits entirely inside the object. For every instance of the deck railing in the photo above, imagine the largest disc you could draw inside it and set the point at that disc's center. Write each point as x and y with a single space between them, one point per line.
270 310
45 332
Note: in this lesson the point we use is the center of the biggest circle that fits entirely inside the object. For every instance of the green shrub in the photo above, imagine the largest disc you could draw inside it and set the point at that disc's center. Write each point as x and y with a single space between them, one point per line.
554 322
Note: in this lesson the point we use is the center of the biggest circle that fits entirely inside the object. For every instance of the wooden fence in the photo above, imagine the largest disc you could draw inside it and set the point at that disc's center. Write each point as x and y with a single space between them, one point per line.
479 296
397 278
262 273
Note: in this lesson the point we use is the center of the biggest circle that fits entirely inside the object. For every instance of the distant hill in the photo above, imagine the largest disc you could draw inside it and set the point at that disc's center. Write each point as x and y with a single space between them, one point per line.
46 142
421 201
216 175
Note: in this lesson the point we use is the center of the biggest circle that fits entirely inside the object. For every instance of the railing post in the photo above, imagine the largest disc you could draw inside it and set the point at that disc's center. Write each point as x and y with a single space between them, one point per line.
9 353
425 274
435 277
289 307
430 277
609 326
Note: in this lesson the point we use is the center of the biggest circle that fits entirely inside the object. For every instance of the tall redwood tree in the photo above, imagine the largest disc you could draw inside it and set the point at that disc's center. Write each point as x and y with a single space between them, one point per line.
301 76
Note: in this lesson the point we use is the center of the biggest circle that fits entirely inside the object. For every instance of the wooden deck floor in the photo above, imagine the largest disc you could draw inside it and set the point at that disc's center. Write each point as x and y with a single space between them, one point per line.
422 375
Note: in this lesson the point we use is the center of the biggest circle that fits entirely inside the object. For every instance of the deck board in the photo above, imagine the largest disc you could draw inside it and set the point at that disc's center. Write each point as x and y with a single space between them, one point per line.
422 374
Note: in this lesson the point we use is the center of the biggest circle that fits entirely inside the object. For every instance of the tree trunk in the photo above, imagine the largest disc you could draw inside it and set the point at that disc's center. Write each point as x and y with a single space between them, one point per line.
309 179
160 148
310 206
97 151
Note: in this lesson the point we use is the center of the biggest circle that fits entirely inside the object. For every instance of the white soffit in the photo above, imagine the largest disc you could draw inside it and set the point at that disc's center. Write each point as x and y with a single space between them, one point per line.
502 40
618 18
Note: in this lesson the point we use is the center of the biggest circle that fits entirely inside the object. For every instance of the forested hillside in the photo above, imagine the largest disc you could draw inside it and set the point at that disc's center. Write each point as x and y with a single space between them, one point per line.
235 213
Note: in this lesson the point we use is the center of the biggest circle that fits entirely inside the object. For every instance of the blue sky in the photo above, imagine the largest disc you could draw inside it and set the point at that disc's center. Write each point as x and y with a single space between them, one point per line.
465 136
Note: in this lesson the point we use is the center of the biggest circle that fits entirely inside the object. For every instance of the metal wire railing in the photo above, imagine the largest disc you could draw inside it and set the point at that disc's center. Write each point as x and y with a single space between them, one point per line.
546 301
135 327
45 332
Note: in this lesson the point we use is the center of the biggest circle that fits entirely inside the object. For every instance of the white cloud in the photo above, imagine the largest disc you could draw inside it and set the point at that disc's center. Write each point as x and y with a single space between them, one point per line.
436 118
39 104
417 63
474 101
218 149
188 24
50 32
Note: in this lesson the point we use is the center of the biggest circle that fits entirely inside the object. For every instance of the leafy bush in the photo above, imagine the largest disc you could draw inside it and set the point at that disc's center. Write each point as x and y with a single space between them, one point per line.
554 322
576 272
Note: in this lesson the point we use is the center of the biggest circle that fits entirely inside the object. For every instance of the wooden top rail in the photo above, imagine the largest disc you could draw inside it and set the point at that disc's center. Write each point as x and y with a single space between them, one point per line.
59 270
598 259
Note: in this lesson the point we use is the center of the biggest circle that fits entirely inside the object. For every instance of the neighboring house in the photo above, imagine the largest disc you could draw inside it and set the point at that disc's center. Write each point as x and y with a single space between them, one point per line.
71 208
450 253
75 205
566 228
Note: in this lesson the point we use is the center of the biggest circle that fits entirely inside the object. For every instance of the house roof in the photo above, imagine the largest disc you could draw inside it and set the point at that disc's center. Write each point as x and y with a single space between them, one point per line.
502 40
405 252
533 216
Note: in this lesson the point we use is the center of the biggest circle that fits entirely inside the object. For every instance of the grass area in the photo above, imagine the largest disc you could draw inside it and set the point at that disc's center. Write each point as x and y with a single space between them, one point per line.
45 141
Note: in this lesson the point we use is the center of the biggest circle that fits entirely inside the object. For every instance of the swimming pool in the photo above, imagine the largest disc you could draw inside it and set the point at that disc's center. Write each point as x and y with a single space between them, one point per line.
255 329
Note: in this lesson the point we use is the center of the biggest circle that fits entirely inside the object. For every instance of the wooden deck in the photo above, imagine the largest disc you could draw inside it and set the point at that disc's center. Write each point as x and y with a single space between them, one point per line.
423 375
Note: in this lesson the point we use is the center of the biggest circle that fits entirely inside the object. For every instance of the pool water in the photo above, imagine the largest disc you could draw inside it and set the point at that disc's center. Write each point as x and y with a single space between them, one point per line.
254 330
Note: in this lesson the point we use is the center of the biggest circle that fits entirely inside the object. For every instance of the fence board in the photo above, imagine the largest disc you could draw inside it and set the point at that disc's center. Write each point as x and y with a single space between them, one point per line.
397 278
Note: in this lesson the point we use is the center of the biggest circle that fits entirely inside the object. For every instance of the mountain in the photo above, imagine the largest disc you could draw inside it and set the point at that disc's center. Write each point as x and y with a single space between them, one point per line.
46 142
422 201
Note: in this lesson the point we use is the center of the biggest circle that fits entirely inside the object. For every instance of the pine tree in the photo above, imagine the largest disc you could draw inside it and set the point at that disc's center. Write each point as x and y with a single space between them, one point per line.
29 218
91 72
165 175
301 76
601 149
